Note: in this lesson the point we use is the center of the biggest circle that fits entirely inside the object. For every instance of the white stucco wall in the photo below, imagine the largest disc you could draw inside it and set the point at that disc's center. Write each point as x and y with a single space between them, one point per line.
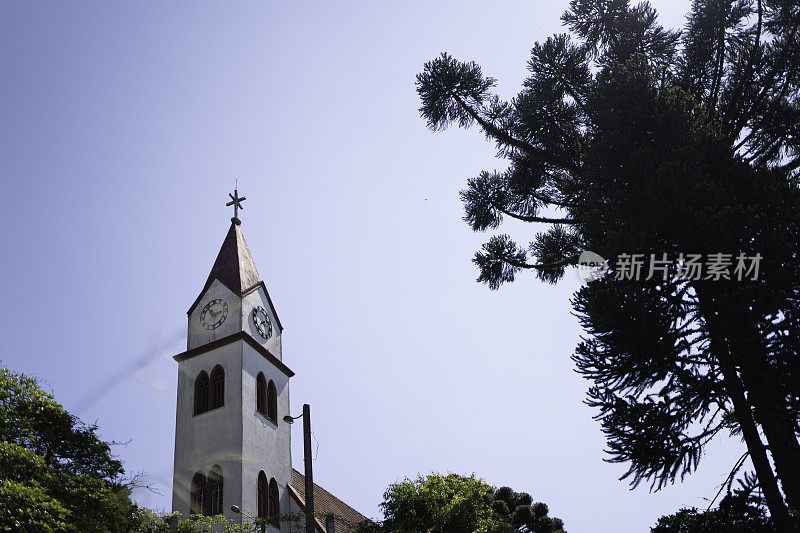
210 438
265 445
236 437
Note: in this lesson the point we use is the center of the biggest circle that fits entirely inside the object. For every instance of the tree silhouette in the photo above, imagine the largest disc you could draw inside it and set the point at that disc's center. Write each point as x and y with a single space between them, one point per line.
626 138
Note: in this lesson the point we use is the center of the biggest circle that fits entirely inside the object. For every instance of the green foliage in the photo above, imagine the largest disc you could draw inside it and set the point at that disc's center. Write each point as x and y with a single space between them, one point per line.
150 522
518 510
55 473
147 521
692 521
438 504
31 418
740 511
27 508
734 515
453 504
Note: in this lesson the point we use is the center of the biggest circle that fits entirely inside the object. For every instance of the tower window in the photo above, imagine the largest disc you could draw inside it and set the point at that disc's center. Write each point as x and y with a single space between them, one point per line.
217 387
198 500
261 394
201 393
272 402
274 499
263 495
215 490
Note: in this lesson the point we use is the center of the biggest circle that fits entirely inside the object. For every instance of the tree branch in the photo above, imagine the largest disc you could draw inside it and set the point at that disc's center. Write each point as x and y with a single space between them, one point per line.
719 70
543 266
777 67
750 65
793 165
729 478
505 138
527 218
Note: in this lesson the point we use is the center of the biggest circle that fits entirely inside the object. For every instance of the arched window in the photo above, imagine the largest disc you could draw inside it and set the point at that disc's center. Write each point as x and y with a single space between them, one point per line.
201 393
215 490
197 504
263 495
274 499
272 402
217 387
261 394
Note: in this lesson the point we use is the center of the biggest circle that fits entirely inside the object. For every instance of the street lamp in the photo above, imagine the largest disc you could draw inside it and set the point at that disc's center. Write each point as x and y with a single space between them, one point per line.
236 509
306 416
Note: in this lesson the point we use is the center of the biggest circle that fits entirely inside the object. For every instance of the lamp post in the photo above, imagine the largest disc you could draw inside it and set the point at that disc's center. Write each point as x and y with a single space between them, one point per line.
307 459
236 509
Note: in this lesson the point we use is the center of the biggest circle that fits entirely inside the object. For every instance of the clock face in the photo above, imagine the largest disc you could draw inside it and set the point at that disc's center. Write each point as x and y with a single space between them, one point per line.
262 323
214 313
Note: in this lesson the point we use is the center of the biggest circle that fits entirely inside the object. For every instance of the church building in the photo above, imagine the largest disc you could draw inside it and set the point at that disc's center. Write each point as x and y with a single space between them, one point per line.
232 446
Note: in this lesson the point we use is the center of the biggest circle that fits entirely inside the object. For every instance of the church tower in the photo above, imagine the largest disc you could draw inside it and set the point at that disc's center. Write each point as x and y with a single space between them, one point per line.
231 445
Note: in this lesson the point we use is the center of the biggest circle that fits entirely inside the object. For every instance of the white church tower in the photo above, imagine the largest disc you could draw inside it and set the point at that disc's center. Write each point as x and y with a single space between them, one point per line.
231 445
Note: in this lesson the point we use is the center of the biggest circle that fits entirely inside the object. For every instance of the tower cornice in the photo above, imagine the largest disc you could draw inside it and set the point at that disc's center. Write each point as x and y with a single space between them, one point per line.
238 336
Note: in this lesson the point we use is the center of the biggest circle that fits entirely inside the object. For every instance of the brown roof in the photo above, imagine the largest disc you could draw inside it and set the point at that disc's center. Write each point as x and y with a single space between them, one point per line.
325 504
234 266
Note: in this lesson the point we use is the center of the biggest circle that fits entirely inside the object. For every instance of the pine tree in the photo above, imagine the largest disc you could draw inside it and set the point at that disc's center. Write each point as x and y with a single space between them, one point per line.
625 138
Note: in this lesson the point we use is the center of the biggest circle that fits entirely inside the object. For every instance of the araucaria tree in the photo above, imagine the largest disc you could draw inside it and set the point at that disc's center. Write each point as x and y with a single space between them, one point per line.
629 138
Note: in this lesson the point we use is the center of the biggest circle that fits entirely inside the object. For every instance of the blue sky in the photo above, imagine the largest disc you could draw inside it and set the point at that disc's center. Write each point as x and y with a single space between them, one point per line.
122 128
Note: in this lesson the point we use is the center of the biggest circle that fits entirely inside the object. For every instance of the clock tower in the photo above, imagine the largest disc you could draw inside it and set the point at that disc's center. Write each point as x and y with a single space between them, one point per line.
231 444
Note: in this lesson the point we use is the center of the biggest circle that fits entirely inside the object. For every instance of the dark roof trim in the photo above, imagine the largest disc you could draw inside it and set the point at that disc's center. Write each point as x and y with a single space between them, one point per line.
205 288
238 336
241 294
302 503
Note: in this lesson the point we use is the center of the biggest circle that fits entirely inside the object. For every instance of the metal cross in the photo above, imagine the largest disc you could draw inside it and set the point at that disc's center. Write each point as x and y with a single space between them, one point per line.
236 202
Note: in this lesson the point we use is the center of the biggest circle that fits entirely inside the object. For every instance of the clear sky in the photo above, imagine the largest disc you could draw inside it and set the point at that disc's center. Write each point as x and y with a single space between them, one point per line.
122 128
